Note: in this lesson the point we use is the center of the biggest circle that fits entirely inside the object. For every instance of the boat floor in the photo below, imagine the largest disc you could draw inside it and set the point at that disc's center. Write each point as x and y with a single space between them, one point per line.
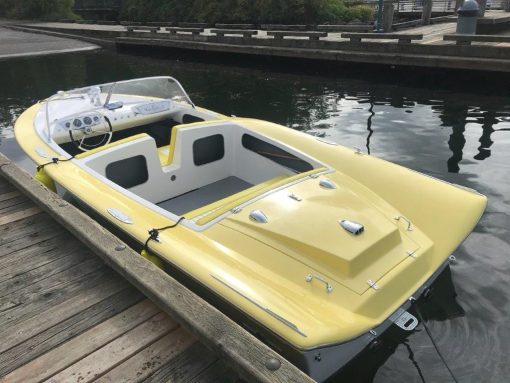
204 195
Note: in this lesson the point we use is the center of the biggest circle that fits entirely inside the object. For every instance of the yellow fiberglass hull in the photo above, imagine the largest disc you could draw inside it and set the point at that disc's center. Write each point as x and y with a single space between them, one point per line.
257 267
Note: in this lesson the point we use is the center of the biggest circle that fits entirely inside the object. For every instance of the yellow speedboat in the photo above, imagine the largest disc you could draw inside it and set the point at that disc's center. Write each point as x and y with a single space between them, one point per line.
314 247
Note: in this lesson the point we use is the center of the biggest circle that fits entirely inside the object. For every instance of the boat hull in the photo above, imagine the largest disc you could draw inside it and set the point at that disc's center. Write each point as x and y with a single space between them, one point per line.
300 281
320 363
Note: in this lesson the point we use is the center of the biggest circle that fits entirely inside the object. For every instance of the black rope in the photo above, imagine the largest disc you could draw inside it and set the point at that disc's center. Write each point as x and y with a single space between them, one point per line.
154 233
413 361
420 317
54 160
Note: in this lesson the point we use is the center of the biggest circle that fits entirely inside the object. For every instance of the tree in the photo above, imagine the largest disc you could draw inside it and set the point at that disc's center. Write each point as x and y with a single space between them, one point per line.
37 9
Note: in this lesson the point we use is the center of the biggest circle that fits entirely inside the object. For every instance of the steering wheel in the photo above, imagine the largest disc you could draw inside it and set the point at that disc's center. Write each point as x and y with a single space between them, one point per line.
88 132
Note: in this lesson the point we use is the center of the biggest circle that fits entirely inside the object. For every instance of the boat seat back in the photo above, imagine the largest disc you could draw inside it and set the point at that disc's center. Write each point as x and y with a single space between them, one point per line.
131 163
166 153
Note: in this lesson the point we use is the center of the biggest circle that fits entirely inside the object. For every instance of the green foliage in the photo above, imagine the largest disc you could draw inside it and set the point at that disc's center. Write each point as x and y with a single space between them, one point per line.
245 11
37 9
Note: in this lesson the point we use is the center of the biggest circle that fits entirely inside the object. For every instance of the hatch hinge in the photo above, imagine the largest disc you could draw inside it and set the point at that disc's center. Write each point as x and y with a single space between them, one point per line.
411 253
373 285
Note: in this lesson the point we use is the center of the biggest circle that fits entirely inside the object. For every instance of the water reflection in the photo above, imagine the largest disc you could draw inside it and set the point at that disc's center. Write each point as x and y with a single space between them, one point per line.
459 136
439 305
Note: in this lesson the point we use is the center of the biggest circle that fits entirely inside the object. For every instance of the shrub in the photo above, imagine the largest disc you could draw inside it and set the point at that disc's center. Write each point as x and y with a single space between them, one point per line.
245 11
37 9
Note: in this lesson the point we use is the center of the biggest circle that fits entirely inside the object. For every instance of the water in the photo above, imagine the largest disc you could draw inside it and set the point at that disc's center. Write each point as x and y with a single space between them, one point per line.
454 134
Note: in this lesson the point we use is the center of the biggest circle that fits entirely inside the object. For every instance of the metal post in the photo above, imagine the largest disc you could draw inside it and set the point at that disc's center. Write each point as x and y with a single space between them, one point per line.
388 11
380 16
426 12
483 5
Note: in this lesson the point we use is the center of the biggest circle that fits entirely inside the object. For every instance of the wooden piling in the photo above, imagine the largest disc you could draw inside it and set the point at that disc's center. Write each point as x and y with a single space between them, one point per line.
426 12
388 11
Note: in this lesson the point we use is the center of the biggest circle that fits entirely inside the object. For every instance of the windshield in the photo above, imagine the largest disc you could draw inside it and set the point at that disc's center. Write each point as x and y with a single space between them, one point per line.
107 95
153 87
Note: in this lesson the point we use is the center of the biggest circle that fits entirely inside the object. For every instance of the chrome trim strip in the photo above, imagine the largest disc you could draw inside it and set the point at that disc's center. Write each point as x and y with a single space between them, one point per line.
267 310
117 214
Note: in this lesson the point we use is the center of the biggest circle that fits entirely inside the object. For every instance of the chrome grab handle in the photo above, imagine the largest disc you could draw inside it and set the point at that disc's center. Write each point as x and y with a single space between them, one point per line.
310 277
409 228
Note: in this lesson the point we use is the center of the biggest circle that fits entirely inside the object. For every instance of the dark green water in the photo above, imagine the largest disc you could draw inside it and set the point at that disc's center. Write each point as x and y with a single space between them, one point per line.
462 136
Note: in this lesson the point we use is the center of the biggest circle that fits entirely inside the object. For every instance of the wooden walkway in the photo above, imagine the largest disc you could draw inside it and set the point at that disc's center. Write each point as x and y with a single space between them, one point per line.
430 52
65 316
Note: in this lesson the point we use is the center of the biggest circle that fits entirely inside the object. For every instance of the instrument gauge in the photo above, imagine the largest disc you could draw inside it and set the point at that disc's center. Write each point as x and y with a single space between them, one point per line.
77 123
87 120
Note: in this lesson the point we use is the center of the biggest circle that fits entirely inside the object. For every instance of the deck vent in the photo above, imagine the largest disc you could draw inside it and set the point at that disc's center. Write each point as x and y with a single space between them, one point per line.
327 184
258 216
352 227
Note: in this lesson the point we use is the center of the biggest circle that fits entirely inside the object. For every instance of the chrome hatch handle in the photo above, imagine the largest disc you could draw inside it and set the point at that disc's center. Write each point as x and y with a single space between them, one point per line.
310 277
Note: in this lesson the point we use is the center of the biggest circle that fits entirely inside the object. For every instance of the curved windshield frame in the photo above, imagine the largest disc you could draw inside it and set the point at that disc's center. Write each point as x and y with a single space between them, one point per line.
164 87
106 95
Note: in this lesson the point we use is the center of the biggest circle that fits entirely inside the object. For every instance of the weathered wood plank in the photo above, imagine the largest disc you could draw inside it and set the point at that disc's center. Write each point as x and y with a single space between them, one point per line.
185 366
5 186
9 202
19 240
24 259
39 322
149 360
216 372
114 353
27 228
74 321
27 302
20 214
70 352
37 265
9 195
17 204
240 348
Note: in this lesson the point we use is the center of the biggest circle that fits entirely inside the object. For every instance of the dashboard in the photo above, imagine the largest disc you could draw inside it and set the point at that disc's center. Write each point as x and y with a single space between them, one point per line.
124 116
82 122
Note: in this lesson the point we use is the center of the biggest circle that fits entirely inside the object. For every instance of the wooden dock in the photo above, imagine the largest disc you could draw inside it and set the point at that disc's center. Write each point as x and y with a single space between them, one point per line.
66 315
431 51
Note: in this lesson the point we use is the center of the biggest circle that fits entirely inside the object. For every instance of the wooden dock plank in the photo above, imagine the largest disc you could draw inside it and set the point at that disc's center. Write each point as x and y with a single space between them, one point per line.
9 195
145 363
14 201
5 186
40 253
114 353
216 372
18 241
53 290
81 317
40 267
19 214
185 367
84 344
26 228
38 322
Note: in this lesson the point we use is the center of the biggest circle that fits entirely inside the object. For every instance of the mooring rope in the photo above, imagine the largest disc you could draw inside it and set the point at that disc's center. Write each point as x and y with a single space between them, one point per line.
413 361
154 233
427 330
54 160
